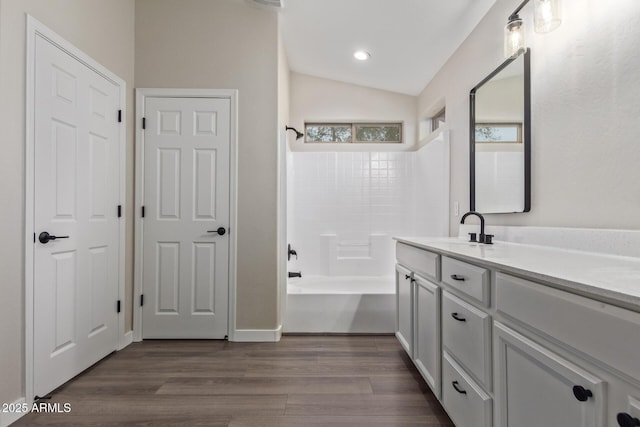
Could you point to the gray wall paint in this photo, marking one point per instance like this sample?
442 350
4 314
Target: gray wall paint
228 45
105 31
585 109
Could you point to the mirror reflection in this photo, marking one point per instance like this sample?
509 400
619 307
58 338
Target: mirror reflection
500 141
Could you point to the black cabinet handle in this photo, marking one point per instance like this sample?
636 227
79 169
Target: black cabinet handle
458 278
626 420
457 387
45 237
407 277
221 231
458 318
581 393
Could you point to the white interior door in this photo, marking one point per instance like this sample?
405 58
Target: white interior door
186 200
76 193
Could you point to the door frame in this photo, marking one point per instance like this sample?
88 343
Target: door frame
37 29
141 95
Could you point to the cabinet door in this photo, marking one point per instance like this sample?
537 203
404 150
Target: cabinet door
427 332
404 309
536 387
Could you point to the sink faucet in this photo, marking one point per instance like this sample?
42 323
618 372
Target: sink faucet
483 238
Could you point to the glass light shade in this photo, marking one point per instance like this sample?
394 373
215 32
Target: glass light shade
547 15
514 42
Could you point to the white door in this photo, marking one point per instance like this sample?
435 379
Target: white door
404 308
76 192
186 202
426 330
536 387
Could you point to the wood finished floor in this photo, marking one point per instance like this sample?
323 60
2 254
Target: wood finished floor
300 381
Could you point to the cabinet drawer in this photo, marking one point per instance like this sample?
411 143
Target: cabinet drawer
466 334
604 332
469 279
422 262
464 400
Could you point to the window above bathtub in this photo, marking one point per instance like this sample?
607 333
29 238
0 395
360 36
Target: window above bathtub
353 132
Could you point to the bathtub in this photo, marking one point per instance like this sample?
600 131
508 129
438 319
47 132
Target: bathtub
327 304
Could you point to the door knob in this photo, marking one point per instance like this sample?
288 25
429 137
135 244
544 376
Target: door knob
221 231
626 420
44 237
581 393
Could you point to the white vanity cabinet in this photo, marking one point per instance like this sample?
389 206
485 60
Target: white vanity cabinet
427 350
507 347
404 308
418 316
536 387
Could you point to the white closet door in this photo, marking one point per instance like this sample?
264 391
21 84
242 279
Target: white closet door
186 199
76 170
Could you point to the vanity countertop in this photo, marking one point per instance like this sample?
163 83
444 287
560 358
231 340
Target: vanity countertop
613 279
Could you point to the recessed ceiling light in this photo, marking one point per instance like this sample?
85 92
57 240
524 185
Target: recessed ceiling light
362 55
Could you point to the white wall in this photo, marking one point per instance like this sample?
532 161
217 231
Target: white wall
105 31
228 44
318 99
283 119
585 109
345 207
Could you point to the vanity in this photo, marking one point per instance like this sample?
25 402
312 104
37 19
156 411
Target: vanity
513 335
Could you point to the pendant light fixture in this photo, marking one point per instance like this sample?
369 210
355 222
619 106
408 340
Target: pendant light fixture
547 17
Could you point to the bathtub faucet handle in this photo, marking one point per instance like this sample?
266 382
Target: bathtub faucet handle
291 252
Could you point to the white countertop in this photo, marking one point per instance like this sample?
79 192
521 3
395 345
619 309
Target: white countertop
609 278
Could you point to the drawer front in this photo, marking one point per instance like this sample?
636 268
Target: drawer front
422 262
466 334
466 403
607 333
466 278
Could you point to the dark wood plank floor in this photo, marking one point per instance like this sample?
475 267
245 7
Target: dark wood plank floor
300 381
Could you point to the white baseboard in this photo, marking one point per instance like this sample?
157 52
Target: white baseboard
257 335
125 340
7 418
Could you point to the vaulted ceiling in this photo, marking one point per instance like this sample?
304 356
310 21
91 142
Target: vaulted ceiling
409 40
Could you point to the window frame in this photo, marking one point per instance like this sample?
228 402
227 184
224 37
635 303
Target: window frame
354 125
438 119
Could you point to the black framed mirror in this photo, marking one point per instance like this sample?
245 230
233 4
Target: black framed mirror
500 139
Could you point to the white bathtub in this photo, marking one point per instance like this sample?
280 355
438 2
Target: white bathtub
340 305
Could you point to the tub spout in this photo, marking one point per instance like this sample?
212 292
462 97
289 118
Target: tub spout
295 274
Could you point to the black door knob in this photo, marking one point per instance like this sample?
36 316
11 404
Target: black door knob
626 420
44 237
581 393
221 231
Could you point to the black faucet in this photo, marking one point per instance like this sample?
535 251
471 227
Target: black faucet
295 274
483 238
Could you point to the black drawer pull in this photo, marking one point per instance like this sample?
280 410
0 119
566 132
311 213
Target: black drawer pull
626 420
458 278
457 387
458 318
581 393
407 277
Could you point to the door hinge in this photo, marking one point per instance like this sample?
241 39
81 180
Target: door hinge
119 116
143 212
141 300
118 306
144 123
119 211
